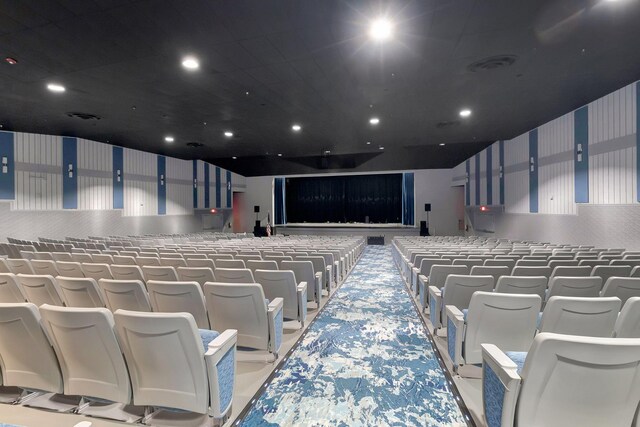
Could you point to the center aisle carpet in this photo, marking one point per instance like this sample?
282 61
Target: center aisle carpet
366 361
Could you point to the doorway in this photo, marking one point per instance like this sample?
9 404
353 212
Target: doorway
238 210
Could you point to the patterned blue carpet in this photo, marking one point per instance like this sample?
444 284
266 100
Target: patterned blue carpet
366 361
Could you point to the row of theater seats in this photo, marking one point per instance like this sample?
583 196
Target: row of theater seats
255 298
539 337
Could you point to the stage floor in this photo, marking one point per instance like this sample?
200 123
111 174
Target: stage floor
353 229
341 225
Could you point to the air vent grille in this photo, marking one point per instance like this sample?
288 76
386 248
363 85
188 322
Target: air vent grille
492 63
83 116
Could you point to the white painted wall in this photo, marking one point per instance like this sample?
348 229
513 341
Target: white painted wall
516 184
179 186
95 180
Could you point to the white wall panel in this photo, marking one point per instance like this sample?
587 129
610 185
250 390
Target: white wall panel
458 174
38 171
483 176
612 172
495 174
201 184
140 183
179 186
516 183
223 188
95 180
239 182
556 168
472 181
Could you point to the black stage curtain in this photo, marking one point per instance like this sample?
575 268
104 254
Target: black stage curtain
344 199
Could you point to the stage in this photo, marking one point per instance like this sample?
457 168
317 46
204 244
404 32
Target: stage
389 231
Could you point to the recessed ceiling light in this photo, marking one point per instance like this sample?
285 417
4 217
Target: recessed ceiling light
55 87
442 144
10 60
465 113
190 63
327 151
381 148
296 128
169 139
374 120
279 154
368 142
228 134
234 158
380 29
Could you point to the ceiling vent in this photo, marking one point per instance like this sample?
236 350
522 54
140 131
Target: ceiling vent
447 124
83 116
492 63
195 144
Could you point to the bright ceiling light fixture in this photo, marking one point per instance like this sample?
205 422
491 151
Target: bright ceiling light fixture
296 128
228 134
381 29
374 120
169 139
191 63
55 87
465 113
442 144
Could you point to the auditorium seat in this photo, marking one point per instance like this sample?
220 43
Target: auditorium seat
595 385
628 322
19 266
621 287
202 383
532 263
495 271
531 271
200 263
79 292
102 259
69 269
319 266
424 269
196 274
536 285
227 306
606 271
10 289
304 272
254 265
91 361
173 262
41 266
124 294
233 275
144 261
175 297
40 289
593 317
574 286
126 272
282 284
507 320
457 291
278 259
43 256
163 274
215 257
229 263
81 257
124 260
437 277
62 256
593 262
571 271
96 271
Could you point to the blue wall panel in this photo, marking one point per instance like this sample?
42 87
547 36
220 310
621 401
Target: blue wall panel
218 189
162 185
533 171
195 184
490 176
7 173
69 173
581 154
118 178
477 157
467 188
229 190
207 183
501 170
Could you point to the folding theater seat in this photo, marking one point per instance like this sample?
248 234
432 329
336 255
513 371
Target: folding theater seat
42 266
628 322
97 271
621 287
574 286
125 295
79 292
437 278
196 274
595 317
536 285
282 284
304 272
40 289
126 272
233 275
176 297
160 273
69 269
10 289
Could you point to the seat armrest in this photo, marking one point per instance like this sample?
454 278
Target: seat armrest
301 291
435 306
500 385
455 334
318 288
329 275
220 360
275 305
275 317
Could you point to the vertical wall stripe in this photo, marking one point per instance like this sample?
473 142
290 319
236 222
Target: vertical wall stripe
7 174
638 141
118 178
467 184
489 176
218 189
162 185
501 170
207 198
69 173
581 154
533 171
477 158
229 191
195 184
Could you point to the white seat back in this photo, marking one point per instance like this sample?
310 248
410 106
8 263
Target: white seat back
201 263
28 360
196 274
143 261
579 381
495 271
175 297
90 357
438 274
124 260
233 275
594 317
178 379
575 286
254 265
10 289
458 289
61 256
40 289
19 266
427 263
303 272
606 271
124 294
80 292
571 271
536 285
229 263
102 259
160 273
531 271
239 306
621 287
280 284
97 271
506 320
126 272
81 257
173 262
628 322
44 266
69 269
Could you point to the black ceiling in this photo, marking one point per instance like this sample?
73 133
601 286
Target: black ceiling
309 62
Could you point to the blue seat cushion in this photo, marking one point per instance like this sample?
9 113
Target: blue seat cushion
518 357
207 336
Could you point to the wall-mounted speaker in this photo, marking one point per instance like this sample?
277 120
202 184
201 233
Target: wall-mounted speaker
427 207
256 209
